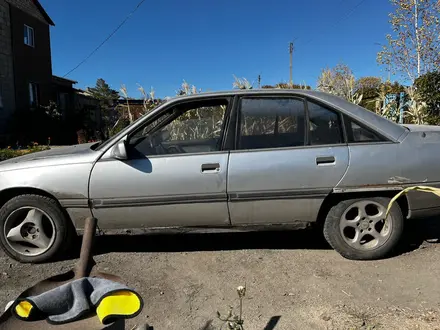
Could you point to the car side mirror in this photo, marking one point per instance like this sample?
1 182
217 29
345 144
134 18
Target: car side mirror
119 151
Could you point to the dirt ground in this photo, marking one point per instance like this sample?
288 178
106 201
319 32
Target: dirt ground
294 280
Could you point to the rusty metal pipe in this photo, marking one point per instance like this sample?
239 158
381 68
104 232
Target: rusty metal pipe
85 262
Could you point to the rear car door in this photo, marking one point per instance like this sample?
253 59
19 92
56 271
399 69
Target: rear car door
175 174
289 155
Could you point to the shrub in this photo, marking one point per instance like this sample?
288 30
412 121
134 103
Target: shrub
37 125
428 87
11 153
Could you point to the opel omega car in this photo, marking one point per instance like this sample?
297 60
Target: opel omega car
246 159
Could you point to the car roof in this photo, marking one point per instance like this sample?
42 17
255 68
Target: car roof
364 116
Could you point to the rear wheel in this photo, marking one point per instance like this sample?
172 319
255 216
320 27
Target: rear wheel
33 229
357 228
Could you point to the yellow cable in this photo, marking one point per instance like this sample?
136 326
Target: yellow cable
435 191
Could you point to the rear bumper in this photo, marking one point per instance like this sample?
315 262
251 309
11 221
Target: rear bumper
424 213
423 204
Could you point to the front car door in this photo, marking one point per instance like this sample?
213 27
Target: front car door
289 155
175 174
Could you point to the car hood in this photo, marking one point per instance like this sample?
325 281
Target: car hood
55 156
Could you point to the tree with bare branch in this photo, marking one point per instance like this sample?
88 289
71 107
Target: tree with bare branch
339 81
413 48
241 83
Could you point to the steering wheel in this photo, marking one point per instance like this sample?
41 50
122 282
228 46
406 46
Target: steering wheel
174 149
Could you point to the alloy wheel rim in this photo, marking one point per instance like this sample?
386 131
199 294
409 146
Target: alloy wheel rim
29 231
363 225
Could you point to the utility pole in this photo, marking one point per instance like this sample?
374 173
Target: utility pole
291 53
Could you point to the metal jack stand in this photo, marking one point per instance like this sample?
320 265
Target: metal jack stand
85 267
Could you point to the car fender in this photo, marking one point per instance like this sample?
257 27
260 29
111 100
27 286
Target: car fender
68 184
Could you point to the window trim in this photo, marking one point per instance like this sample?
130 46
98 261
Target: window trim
305 101
345 118
230 124
185 103
30 28
265 96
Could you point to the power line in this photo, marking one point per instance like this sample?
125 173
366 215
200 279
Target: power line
107 38
340 20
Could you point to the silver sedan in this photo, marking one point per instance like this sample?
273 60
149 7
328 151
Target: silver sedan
237 160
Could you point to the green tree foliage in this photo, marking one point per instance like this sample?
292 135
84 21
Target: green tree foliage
413 48
392 88
107 101
428 87
368 87
107 97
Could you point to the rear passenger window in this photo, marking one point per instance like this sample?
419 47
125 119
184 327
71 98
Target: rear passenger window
271 123
324 125
359 133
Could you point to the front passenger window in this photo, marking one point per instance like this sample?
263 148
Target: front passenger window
193 129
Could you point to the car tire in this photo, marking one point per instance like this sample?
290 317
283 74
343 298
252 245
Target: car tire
345 230
48 236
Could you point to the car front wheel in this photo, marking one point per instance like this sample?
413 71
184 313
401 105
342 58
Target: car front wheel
358 230
33 228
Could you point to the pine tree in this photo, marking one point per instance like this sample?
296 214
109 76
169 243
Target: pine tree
107 101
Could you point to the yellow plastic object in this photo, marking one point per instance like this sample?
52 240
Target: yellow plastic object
435 191
118 304
23 309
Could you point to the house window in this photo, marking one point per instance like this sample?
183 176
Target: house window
64 101
33 94
29 36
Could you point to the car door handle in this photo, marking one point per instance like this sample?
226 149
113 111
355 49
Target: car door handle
325 160
212 167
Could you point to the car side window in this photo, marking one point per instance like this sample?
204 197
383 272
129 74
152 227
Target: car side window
357 133
324 125
189 129
270 123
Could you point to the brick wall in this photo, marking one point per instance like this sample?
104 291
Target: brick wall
7 92
29 7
